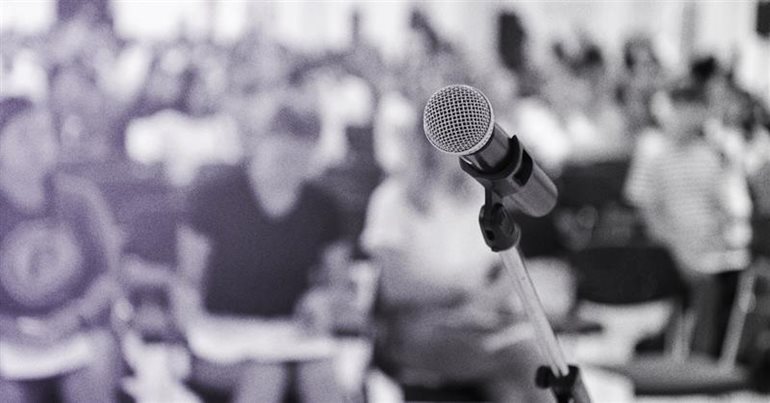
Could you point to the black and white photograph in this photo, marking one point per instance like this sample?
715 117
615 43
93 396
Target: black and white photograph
384 201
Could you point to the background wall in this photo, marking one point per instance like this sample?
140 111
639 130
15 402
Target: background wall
679 28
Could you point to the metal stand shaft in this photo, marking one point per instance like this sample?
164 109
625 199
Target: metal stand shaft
518 184
565 379
502 234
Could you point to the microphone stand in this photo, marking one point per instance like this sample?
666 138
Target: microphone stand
502 235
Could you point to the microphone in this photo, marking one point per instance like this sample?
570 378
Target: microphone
459 120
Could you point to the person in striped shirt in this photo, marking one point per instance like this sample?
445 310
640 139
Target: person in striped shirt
682 190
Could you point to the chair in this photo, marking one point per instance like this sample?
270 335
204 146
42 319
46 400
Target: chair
624 275
423 387
416 386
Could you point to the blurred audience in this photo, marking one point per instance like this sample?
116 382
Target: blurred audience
295 163
190 134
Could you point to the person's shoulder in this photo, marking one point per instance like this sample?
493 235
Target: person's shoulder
76 188
217 178
394 187
707 153
318 195
213 187
390 193
79 194
652 135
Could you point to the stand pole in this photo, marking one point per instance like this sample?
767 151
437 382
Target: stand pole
524 287
565 380
502 235
502 198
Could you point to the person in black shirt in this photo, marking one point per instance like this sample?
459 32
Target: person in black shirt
256 236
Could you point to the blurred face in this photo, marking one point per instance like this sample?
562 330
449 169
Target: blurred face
163 87
737 110
282 160
199 101
717 91
429 168
648 68
561 91
28 145
270 69
686 119
583 92
72 92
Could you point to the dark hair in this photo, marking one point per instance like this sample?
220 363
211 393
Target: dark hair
754 113
189 78
560 53
689 92
587 59
634 45
591 58
419 22
302 123
704 69
11 108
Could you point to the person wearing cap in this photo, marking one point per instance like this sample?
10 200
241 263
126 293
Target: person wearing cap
256 236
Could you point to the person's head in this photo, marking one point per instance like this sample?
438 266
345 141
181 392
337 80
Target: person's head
263 67
591 85
639 57
739 109
424 41
428 171
559 89
502 86
715 80
74 88
28 145
164 83
284 155
704 69
197 95
356 27
688 112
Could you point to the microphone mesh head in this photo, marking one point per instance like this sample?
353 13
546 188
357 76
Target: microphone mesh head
458 119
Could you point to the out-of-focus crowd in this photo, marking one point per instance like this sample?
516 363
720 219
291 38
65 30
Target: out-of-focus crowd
189 220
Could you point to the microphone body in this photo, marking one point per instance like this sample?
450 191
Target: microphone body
459 120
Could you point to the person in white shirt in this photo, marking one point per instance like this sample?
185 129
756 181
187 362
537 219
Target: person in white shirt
449 308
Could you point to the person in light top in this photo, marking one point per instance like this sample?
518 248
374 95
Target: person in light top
447 303
685 193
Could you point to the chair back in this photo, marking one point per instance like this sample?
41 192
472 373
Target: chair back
621 275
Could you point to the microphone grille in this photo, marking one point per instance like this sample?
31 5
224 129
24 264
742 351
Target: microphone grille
458 119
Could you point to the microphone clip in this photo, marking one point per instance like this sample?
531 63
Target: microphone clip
502 191
498 228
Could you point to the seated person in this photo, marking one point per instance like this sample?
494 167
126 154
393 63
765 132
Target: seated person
449 307
256 235
686 198
57 251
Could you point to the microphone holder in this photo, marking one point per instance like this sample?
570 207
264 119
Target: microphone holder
502 236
